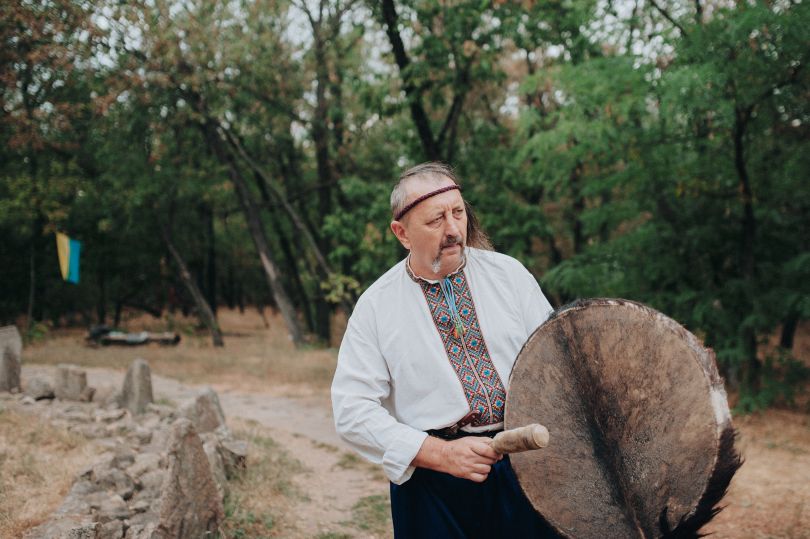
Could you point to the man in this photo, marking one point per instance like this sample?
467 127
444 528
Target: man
420 384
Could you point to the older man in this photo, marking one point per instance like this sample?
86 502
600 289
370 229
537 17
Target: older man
421 379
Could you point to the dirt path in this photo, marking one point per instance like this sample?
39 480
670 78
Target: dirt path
334 481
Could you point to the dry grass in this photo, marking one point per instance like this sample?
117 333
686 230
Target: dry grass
260 499
254 357
38 463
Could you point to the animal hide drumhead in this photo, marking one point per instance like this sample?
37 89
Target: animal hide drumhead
641 441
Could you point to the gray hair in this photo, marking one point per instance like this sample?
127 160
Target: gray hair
436 172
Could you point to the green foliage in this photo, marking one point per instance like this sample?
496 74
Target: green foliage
659 155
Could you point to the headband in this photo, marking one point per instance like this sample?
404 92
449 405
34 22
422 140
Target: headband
426 196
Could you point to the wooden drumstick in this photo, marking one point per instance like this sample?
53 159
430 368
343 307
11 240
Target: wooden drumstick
534 436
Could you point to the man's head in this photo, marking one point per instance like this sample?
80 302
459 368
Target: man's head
435 229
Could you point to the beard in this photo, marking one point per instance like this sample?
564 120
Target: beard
449 241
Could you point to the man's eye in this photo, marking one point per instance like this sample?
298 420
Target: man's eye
436 221
458 211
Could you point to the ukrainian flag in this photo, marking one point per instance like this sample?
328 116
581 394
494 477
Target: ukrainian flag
69 251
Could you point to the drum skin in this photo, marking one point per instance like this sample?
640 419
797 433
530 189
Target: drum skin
641 440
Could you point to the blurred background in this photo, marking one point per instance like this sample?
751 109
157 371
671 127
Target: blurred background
211 155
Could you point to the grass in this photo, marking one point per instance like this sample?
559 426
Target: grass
349 460
373 514
38 463
254 357
260 497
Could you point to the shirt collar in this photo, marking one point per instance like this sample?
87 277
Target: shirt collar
418 278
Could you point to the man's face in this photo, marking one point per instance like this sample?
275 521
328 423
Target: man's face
435 230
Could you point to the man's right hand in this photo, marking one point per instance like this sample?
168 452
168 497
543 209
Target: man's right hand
470 457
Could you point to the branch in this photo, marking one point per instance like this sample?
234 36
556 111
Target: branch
420 118
668 17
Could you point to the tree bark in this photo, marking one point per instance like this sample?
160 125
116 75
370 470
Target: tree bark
418 114
211 258
288 257
789 326
203 309
257 233
296 217
751 368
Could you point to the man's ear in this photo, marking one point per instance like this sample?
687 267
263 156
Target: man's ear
402 235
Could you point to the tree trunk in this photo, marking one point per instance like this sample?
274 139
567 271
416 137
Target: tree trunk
288 257
32 285
257 233
203 309
789 325
751 368
211 258
296 217
101 305
418 114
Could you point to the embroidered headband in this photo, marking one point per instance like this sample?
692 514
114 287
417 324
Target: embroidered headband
424 197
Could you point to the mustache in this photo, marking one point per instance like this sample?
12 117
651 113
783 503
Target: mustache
449 241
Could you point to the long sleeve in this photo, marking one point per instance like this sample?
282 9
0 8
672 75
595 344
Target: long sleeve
361 384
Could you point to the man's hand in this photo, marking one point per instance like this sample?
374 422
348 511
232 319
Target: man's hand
470 457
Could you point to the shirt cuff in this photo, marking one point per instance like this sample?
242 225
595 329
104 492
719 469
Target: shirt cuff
396 461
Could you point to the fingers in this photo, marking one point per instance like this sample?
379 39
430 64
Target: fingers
484 449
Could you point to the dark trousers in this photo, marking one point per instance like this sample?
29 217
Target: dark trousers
434 504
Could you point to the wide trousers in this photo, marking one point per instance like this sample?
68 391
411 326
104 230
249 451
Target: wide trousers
437 505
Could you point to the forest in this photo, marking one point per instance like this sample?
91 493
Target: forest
216 153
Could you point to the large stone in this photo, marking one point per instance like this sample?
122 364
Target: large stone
10 353
70 382
114 529
234 456
211 448
73 527
190 506
205 411
136 394
38 388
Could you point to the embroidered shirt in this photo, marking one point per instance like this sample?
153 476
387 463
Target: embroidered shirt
398 372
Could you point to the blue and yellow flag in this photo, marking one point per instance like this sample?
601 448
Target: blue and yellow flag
69 251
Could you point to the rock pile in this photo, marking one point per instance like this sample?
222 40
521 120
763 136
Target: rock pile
10 350
163 473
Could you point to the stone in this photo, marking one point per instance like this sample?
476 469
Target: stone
141 436
211 448
87 394
141 531
234 456
140 506
190 505
144 462
91 431
38 388
136 394
114 529
205 411
152 481
108 416
70 382
115 480
10 357
27 400
73 527
113 508
123 457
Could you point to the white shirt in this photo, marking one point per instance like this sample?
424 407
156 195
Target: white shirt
394 379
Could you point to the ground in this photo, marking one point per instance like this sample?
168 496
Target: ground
306 482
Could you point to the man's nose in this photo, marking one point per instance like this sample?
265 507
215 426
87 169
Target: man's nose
451 228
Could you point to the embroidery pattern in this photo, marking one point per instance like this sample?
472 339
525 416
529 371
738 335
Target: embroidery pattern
482 386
